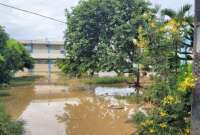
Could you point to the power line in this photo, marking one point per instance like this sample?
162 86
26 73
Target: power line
34 13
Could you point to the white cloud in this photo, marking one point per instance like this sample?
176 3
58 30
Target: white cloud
173 4
25 26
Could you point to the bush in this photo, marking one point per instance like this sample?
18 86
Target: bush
168 119
173 113
138 117
158 90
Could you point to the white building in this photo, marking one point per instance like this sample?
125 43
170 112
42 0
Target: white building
45 53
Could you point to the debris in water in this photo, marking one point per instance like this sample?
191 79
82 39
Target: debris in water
73 101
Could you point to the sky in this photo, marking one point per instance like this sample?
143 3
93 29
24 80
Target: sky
22 26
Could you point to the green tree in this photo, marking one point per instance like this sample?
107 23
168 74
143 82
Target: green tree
13 57
3 37
100 33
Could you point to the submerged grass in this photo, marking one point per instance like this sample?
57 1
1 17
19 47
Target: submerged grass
108 80
4 93
7 125
132 98
17 81
25 80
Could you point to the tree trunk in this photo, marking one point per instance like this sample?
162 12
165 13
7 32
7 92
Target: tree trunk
137 85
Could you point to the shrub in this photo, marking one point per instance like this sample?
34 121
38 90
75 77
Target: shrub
138 117
173 113
158 90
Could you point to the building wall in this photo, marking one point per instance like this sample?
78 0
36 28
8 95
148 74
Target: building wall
45 68
45 53
40 49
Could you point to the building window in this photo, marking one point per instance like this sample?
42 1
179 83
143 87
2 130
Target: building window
29 48
62 51
41 61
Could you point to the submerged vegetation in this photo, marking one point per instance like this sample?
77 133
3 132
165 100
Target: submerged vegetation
25 80
9 127
108 80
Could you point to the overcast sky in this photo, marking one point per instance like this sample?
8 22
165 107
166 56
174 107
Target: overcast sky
24 26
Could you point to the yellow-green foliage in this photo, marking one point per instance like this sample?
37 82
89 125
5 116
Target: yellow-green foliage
172 116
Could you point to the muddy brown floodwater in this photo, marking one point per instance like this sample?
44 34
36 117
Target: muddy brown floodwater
53 107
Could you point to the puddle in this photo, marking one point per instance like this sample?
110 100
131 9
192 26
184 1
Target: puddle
59 109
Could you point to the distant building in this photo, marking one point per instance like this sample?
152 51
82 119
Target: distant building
45 53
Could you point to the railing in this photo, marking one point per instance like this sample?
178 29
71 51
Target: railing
47 55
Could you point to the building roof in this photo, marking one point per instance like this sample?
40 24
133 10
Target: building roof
41 42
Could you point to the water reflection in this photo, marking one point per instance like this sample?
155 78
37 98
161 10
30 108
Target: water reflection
41 118
111 91
54 108
19 99
50 88
94 117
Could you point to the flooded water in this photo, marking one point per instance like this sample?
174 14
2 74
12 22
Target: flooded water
113 91
59 107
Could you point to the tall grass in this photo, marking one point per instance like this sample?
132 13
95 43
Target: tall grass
9 127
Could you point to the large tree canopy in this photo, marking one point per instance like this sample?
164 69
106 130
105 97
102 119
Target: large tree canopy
100 33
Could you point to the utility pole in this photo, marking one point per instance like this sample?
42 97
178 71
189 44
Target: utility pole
196 71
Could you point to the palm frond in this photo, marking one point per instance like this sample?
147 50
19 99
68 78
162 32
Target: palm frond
168 12
157 8
184 9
